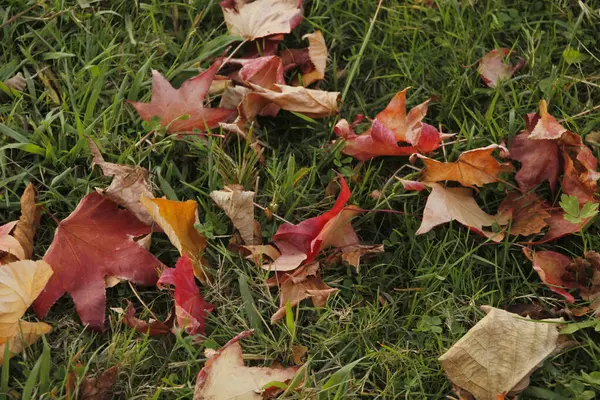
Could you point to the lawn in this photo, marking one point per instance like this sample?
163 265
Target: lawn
404 308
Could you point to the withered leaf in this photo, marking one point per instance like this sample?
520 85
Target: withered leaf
239 207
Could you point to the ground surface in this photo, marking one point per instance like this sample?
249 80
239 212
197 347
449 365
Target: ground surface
404 308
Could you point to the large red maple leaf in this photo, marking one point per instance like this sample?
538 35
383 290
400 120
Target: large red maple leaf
170 104
97 240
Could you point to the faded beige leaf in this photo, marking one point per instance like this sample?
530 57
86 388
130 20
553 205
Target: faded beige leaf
447 204
128 185
260 18
317 52
17 82
26 334
499 353
225 377
239 207
351 254
310 102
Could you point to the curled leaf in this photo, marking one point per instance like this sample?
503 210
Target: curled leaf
177 220
304 283
543 126
239 207
10 247
472 168
152 328
190 307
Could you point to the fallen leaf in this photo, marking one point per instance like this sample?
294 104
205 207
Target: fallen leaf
304 283
218 85
593 138
100 387
170 104
580 169
493 69
95 241
190 307
225 376
499 354
303 242
10 247
262 71
17 82
314 69
129 183
559 227
351 254
177 220
543 126
529 214
559 273
405 126
239 207
256 19
28 222
472 168
448 204
259 252
540 161
298 353
20 284
152 328
376 142
310 102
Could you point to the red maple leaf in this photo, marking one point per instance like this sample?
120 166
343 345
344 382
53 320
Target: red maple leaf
97 240
190 306
170 104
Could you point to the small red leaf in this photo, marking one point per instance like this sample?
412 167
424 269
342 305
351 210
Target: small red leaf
190 306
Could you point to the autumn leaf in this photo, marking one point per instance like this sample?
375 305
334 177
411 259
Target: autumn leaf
17 82
152 328
260 253
256 19
303 283
129 183
351 255
16 238
405 126
581 174
499 354
551 267
100 387
391 127
540 161
20 284
177 220
543 126
170 104
310 102
493 69
529 214
262 71
302 243
472 168
190 307
225 376
559 227
313 60
10 247
446 204
239 207
560 273
97 240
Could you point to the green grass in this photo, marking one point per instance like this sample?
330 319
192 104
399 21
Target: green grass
86 58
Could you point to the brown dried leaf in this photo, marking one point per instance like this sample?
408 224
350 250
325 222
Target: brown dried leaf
239 207
100 387
529 213
17 82
128 184
499 353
